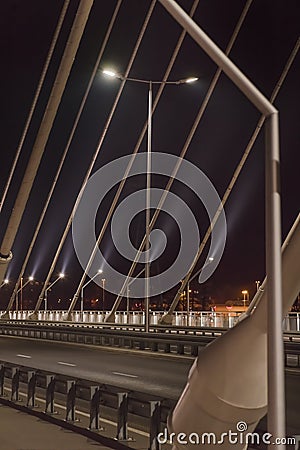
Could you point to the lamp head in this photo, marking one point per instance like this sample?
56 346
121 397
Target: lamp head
190 80
61 275
110 73
6 281
30 278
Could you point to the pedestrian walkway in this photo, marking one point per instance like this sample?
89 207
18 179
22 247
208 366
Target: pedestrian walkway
21 431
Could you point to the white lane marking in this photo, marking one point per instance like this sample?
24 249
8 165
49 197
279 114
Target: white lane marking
24 356
125 374
66 364
84 414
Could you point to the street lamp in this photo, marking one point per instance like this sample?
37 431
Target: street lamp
103 292
257 285
21 292
246 296
60 276
209 261
112 74
4 282
88 282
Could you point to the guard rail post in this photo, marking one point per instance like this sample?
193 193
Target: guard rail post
122 398
155 416
31 385
50 388
2 374
70 404
15 380
94 408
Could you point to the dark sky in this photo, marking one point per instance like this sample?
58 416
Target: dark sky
267 37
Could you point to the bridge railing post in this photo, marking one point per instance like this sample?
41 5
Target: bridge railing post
94 408
122 399
2 375
15 381
50 388
31 388
155 417
70 404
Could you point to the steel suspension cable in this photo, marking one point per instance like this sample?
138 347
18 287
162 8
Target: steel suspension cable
70 139
35 99
42 137
88 173
136 149
184 150
235 176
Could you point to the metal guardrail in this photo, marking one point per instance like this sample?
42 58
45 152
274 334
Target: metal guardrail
180 318
159 339
125 405
179 340
206 319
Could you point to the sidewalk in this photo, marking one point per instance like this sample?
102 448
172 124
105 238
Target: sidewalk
21 431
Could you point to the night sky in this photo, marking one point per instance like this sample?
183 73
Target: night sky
267 37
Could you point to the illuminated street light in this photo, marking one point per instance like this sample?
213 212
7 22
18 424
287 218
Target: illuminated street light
6 281
112 74
103 293
60 276
88 282
21 292
246 296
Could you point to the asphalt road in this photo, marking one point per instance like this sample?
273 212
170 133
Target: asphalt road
159 375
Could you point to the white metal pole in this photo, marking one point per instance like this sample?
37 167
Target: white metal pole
188 303
276 389
148 200
276 402
81 305
127 305
103 293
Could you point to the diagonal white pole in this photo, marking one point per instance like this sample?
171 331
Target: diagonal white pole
276 395
148 203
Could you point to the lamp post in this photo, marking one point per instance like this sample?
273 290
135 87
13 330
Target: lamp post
246 296
60 276
103 293
209 261
21 292
4 282
112 74
88 282
257 285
